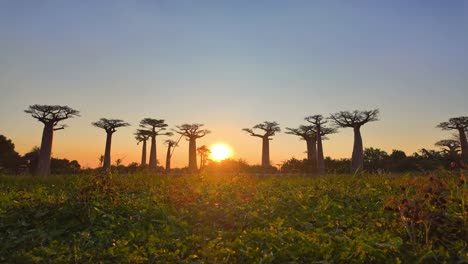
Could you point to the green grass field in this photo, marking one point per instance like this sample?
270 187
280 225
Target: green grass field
233 219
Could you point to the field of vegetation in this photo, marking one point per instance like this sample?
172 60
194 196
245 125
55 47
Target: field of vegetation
229 218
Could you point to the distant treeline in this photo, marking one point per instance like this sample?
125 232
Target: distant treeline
375 161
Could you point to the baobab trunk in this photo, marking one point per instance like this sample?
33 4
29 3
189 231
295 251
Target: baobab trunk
320 161
107 158
143 154
266 153
152 159
43 166
192 155
168 159
311 155
357 158
463 145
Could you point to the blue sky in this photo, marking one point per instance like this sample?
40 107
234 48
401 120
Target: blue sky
232 64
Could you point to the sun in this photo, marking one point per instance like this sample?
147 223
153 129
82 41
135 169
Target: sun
220 152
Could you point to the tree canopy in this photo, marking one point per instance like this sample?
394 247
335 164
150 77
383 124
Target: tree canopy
51 113
354 118
191 130
110 125
270 128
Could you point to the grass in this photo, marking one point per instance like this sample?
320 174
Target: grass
233 219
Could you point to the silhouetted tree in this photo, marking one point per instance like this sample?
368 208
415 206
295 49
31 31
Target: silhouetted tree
461 125
171 144
9 158
318 122
309 135
156 128
270 128
355 119
142 136
374 159
64 166
294 165
50 116
204 152
192 132
32 158
110 126
397 155
449 146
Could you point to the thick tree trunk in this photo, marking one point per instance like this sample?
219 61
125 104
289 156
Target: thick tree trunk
463 145
107 152
357 158
311 155
320 160
152 160
143 154
168 159
192 155
43 166
265 153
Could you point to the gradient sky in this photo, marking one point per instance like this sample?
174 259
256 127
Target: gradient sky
230 65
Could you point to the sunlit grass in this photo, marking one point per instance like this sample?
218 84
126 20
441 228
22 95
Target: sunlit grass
238 218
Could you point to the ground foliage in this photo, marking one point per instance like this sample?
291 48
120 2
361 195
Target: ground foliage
233 219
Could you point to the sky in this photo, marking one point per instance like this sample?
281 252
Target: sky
231 65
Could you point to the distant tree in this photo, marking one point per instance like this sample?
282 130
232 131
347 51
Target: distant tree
270 129
340 166
64 166
156 128
294 165
101 160
142 136
374 159
318 123
9 158
461 125
450 146
204 153
110 126
171 144
398 162
227 166
57 166
192 132
50 116
32 158
309 135
397 155
355 119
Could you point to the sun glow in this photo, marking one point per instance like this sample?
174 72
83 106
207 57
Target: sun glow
220 152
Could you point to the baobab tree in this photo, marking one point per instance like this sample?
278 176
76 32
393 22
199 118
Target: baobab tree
449 146
156 128
171 144
142 136
461 125
50 116
308 134
356 120
110 126
318 123
270 128
204 152
192 132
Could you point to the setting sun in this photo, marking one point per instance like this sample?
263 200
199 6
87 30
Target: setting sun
220 152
